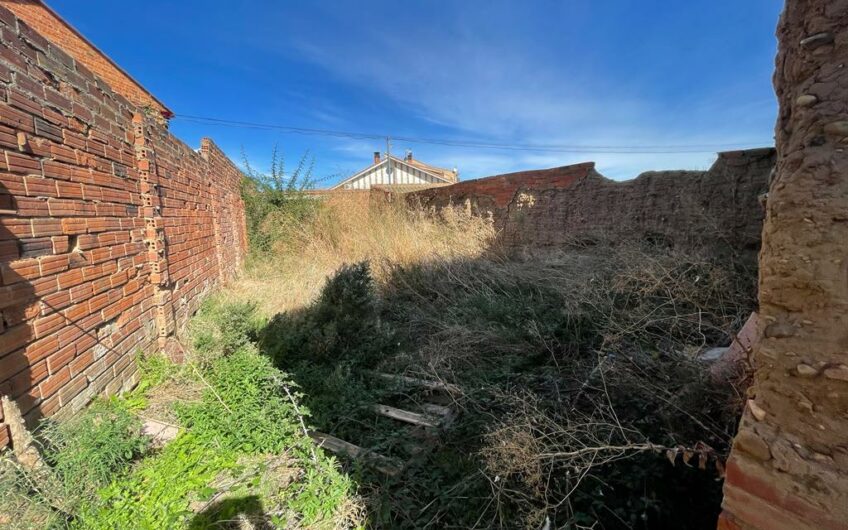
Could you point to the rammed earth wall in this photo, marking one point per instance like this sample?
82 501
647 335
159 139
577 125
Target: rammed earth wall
789 465
719 208
111 229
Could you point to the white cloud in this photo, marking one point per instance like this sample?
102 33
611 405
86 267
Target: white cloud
513 91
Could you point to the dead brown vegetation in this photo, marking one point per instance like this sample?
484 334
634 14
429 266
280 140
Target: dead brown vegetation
578 366
347 228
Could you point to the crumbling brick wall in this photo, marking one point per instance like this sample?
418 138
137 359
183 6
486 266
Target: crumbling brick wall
39 22
718 208
789 465
111 229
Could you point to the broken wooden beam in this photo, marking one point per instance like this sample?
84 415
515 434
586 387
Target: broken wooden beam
437 410
406 416
423 383
335 445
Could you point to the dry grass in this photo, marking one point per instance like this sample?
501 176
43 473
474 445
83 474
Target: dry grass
578 365
581 364
349 229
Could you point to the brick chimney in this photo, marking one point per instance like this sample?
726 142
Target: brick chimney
376 157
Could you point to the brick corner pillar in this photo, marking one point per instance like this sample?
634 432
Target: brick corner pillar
205 153
789 465
154 234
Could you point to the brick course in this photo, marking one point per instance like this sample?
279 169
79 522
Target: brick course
70 50
111 229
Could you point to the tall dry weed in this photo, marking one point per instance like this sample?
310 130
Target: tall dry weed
348 228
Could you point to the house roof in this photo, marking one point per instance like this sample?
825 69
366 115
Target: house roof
445 175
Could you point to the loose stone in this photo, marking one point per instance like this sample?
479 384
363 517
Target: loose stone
806 100
756 410
805 370
837 372
819 39
837 128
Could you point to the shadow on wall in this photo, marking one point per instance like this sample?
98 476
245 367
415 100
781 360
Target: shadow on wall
39 338
19 374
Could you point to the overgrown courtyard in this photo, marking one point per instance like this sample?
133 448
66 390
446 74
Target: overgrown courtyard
576 396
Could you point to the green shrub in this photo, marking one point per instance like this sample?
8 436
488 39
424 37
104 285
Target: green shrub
326 345
157 492
244 439
245 408
88 449
82 454
275 203
220 328
341 325
249 409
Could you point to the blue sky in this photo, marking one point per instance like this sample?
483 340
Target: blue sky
567 72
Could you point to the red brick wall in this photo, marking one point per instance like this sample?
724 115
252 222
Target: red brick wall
554 207
39 23
111 229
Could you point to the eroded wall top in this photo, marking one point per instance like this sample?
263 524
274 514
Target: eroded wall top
40 23
719 208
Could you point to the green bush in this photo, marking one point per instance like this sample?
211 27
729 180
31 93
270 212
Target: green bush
341 325
82 454
157 492
87 450
248 412
275 203
220 328
326 345
245 408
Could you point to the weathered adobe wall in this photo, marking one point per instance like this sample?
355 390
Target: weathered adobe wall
789 465
111 229
719 208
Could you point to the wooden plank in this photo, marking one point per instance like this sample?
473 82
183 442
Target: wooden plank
406 416
424 383
446 414
336 445
437 410
354 452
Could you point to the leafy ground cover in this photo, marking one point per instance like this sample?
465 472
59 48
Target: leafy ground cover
241 457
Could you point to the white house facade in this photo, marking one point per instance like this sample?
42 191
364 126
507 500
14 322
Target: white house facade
392 171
